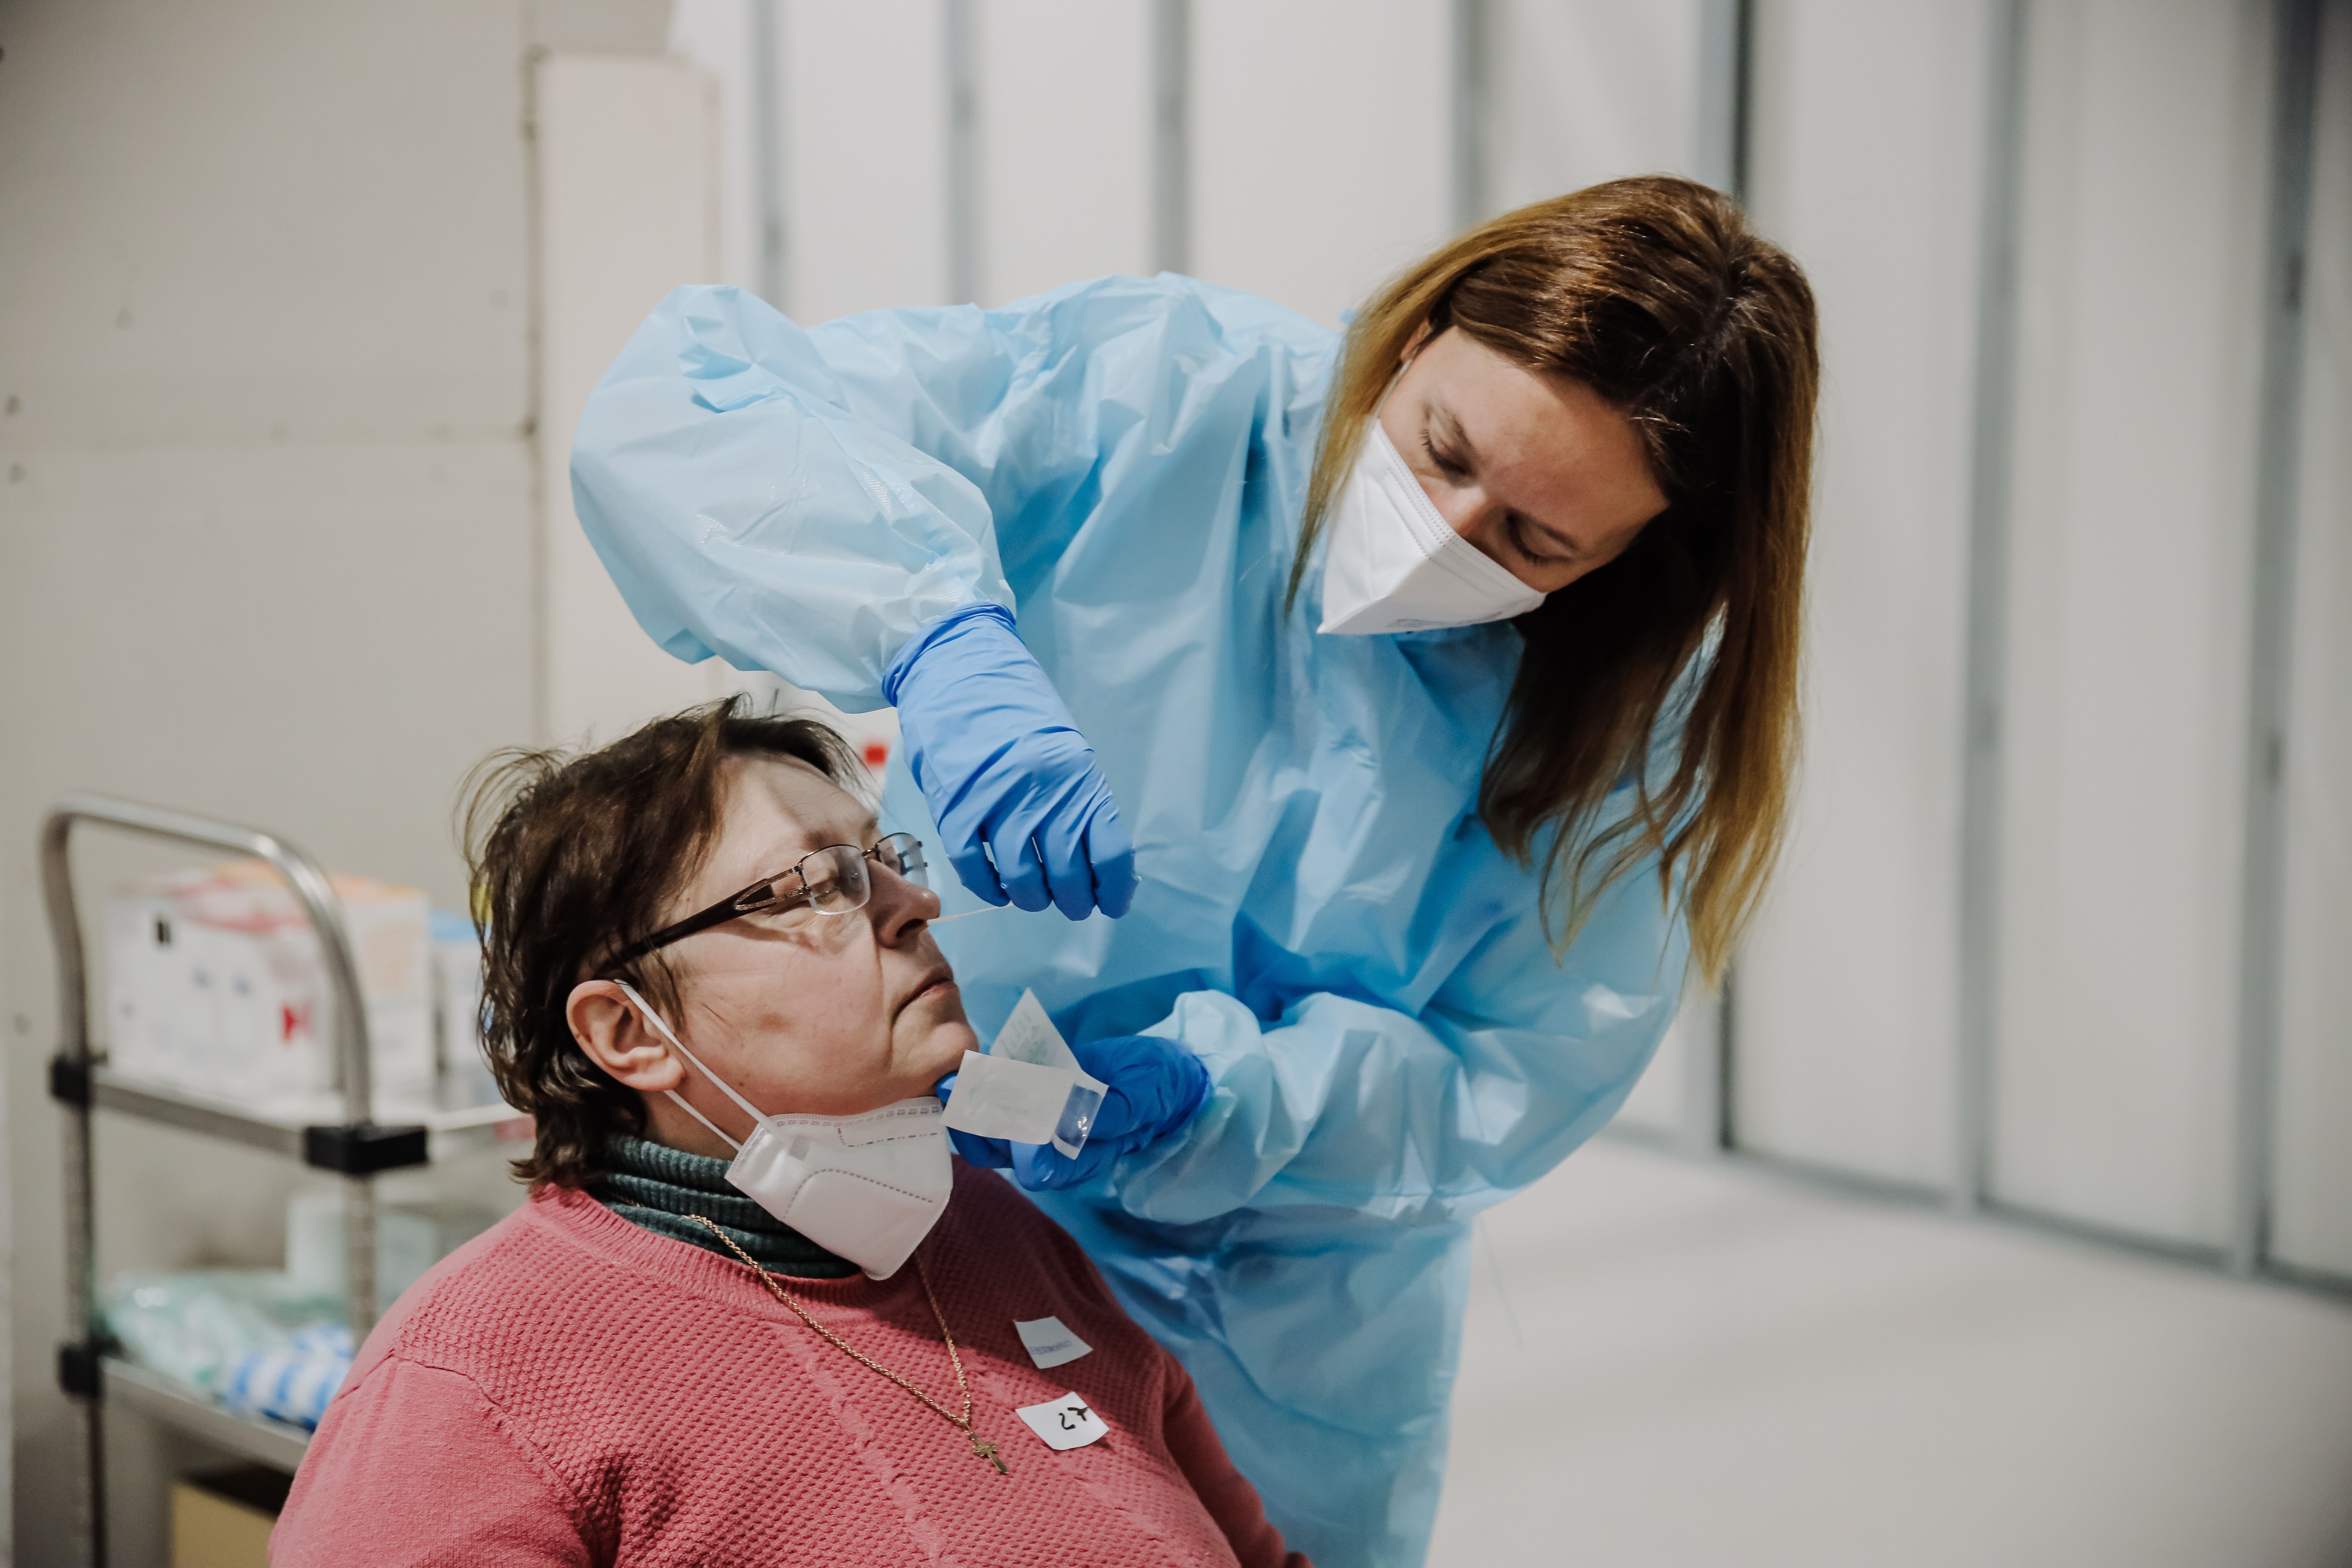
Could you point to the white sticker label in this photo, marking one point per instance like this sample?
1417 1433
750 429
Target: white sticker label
1063 1423
1049 1343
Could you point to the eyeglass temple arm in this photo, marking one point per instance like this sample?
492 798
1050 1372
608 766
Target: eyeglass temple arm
717 915
729 908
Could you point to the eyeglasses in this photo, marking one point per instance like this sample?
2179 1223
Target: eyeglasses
831 880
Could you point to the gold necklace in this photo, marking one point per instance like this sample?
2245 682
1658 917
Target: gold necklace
980 1445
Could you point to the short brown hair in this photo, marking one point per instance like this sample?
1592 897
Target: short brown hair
574 855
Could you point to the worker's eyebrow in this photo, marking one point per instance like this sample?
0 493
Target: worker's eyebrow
1560 542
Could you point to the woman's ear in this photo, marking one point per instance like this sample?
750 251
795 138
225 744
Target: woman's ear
1414 345
617 1038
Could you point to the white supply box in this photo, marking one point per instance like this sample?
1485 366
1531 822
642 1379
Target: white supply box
215 985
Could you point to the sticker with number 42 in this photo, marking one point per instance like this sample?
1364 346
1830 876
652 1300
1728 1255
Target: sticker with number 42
1063 1423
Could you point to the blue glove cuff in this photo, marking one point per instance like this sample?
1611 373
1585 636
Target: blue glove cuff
904 660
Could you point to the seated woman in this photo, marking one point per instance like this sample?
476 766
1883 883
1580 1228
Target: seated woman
687 951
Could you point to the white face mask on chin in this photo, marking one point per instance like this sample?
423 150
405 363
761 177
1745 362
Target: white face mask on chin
867 1187
1393 564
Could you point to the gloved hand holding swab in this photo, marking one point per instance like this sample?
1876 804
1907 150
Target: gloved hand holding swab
1028 1088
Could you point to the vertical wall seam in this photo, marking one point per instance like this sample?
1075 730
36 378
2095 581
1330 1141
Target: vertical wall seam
1992 419
1172 163
1726 31
1726 89
1471 46
963 152
1743 67
768 148
1739 94
2263 917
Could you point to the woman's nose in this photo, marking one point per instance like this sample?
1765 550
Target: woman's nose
898 906
1476 519
1466 508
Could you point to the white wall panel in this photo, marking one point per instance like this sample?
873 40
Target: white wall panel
1320 144
719 38
1587 90
2124 799
864 128
1065 107
1867 124
629 207
265 506
2314 1221
136 286
1660 1101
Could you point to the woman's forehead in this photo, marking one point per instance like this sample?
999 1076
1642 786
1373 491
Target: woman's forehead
773 807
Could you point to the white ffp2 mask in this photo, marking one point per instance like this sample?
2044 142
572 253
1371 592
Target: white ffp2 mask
867 1187
1393 564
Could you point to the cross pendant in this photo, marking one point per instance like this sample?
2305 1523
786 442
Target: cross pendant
987 1450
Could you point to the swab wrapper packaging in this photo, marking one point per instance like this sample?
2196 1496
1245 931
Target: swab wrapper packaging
1028 1088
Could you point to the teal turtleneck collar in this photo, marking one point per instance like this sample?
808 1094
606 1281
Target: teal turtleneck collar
655 1186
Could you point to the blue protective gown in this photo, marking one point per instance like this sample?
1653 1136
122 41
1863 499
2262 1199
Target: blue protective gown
1322 918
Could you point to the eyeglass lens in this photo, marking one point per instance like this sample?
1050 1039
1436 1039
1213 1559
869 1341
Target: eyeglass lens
903 853
836 879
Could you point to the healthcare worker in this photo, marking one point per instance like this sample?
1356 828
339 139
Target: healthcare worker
1420 701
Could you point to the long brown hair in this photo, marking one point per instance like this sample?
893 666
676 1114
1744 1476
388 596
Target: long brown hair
1656 294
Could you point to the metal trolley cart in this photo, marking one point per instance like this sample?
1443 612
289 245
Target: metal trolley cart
338 1135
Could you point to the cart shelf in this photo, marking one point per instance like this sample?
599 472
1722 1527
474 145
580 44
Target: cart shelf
311 1127
335 1132
165 1399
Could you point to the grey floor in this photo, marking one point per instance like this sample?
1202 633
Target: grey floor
1685 1363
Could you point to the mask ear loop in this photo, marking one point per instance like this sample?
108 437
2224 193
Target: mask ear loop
683 1104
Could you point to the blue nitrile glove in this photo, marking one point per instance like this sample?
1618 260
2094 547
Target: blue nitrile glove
1006 770
1151 1088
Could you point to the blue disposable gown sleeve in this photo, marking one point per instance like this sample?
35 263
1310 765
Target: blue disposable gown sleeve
1343 1105
744 509
803 500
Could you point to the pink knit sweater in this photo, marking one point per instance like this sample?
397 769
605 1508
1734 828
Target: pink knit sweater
569 1388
